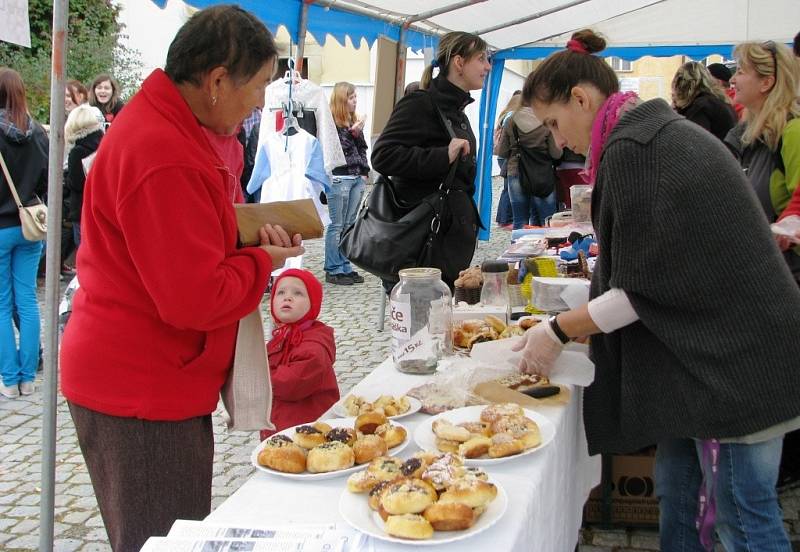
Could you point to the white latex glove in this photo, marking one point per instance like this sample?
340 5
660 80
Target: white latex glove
541 349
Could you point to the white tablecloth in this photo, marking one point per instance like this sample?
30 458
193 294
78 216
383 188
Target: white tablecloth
546 489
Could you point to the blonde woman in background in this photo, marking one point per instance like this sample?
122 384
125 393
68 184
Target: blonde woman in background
700 99
767 141
347 183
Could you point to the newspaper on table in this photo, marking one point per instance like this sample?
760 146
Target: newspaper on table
198 536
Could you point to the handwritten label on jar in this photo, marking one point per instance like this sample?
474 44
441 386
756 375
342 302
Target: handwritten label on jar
419 347
400 318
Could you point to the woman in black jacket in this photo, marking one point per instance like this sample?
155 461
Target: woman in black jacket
23 144
697 97
416 150
82 133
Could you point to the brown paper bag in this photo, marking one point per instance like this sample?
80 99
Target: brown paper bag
296 217
247 393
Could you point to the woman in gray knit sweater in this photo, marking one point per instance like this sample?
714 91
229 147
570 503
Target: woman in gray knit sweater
695 324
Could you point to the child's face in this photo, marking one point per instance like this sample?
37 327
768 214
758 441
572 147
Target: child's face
290 301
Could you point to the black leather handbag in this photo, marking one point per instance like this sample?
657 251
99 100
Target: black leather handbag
537 175
390 234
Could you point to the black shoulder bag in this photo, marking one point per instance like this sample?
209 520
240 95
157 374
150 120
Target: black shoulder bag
389 234
536 173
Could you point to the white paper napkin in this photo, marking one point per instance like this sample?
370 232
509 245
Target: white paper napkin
572 367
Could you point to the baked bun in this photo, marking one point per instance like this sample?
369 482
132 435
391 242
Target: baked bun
385 468
368 448
376 494
497 325
472 492
408 496
409 526
392 434
321 426
443 471
367 423
475 447
522 428
308 436
494 412
443 445
328 457
361 482
452 516
282 454
474 472
474 325
413 467
504 444
449 432
344 435
477 428
528 323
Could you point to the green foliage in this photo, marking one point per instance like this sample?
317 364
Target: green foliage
93 46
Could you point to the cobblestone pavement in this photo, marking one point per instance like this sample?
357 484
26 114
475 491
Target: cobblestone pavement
351 310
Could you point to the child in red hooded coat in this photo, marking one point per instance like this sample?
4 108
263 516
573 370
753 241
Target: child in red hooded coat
301 352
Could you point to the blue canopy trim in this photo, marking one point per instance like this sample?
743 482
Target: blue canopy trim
628 53
488 113
322 22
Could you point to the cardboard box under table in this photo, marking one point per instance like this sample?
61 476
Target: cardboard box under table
629 497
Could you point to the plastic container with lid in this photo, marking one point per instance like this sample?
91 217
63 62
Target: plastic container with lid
581 198
420 318
495 283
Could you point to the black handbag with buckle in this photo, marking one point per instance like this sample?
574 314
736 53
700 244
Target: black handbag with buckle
390 234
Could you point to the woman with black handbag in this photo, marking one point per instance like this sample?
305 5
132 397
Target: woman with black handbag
417 151
531 153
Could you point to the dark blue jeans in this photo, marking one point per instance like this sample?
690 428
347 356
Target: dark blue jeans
527 208
749 517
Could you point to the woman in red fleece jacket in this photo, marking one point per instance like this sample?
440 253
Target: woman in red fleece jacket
163 285
301 352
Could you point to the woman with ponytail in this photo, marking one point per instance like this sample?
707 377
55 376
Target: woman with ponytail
668 312
416 150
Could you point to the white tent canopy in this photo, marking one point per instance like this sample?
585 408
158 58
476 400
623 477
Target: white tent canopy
624 22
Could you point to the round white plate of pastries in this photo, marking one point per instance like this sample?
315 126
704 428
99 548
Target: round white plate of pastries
426 439
356 512
306 475
355 401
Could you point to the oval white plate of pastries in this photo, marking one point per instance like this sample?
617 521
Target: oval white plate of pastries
357 513
308 476
340 408
426 439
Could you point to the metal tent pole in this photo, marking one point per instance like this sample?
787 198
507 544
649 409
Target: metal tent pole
52 288
301 36
531 17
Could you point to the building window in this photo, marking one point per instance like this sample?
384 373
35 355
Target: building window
620 65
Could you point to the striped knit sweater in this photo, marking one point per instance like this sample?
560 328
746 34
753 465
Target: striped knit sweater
716 352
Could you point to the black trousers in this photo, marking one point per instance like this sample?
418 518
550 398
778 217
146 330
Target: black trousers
146 474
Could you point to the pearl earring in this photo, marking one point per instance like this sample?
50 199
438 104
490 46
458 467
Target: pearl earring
213 100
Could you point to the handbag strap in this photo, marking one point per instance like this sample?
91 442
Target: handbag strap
451 175
10 181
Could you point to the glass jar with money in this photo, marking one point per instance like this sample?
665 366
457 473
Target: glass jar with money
420 319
